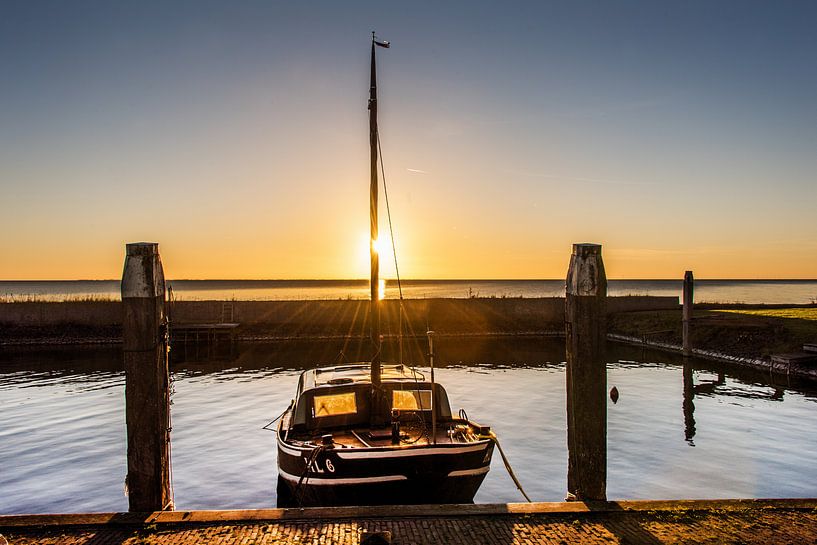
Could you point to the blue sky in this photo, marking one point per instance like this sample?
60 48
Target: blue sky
678 135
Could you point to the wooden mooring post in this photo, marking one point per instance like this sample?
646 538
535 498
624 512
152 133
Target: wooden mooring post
586 375
688 300
147 380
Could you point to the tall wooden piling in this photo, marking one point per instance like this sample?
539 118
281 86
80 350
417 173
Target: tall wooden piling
688 300
586 376
147 396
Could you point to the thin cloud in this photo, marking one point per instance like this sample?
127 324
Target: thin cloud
581 179
417 171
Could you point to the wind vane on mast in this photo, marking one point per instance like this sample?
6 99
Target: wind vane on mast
381 43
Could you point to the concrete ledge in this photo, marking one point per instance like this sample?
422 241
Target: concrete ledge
402 511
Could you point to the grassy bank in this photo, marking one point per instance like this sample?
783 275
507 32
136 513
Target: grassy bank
749 331
753 332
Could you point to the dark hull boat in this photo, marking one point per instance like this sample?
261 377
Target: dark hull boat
374 433
330 453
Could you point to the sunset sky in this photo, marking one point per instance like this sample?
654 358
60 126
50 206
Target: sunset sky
679 135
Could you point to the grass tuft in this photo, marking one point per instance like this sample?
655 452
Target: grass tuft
39 298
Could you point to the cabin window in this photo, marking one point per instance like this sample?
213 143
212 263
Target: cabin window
333 405
411 400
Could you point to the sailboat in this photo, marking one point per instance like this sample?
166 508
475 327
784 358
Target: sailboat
375 432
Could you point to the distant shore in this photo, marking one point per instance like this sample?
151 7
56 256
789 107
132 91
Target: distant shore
311 318
727 291
749 333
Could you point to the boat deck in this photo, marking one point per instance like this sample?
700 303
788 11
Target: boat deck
365 437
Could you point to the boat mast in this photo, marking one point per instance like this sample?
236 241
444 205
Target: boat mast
374 309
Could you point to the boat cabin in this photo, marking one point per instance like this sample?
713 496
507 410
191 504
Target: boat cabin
341 397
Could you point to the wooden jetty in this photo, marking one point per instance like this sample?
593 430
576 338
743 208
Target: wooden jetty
204 333
794 358
650 522
807 358
221 330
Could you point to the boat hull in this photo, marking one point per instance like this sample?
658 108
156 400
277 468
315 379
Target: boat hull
443 473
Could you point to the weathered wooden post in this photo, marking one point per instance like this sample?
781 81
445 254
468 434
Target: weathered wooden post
687 312
586 376
147 396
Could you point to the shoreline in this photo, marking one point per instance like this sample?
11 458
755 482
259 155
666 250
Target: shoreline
746 335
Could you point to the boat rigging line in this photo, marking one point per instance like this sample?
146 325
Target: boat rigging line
388 214
393 246
433 397
401 309
274 420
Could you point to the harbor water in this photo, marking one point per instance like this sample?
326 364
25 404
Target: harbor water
675 432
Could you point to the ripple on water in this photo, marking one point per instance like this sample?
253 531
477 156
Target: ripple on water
62 441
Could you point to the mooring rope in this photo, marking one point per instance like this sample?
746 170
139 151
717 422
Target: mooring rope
304 480
494 438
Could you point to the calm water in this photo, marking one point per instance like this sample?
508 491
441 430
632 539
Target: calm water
62 441
730 291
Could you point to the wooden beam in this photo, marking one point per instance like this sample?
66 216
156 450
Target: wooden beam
586 374
688 301
147 381
401 511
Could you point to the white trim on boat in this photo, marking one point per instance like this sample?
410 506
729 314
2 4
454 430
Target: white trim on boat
355 454
317 481
469 472
291 451
359 438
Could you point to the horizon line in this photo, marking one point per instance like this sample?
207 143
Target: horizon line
366 280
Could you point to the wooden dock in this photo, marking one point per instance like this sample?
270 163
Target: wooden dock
626 522
222 329
795 358
806 358
204 333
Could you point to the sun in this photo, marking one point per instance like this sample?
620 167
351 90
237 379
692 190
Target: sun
383 248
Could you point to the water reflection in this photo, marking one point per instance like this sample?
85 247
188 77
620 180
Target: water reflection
690 390
80 368
488 352
689 404
717 387
62 443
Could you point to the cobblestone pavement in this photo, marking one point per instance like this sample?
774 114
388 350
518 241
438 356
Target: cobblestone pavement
650 527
